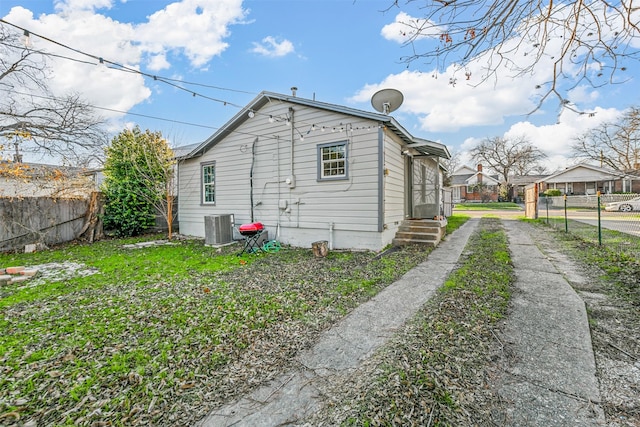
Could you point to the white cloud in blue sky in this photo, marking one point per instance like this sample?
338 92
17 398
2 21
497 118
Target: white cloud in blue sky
272 47
339 52
405 28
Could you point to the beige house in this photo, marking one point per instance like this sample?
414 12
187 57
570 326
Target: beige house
585 179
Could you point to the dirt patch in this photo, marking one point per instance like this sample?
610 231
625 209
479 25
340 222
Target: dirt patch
59 271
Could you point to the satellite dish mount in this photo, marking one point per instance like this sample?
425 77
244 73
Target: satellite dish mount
387 100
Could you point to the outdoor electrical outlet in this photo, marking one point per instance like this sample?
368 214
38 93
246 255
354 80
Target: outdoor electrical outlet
291 181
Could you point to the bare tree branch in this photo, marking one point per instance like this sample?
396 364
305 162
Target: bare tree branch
508 157
615 145
64 127
587 41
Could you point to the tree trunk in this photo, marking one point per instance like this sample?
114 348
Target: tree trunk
320 248
92 229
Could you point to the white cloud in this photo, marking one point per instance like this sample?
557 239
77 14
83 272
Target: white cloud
446 105
406 28
64 6
272 47
554 140
197 27
583 95
158 62
469 99
96 35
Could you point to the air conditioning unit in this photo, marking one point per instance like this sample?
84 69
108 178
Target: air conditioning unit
218 229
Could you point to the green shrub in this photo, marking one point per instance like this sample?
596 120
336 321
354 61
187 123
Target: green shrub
126 214
137 174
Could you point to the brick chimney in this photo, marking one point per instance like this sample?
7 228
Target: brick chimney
479 173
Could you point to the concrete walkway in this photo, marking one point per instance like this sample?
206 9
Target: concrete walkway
550 383
552 378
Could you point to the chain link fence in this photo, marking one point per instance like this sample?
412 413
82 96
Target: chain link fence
611 220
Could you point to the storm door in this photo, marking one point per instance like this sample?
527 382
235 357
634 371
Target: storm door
423 185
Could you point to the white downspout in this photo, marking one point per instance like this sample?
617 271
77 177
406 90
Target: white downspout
331 236
291 179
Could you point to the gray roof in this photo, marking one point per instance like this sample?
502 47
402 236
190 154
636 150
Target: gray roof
184 150
422 146
526 179
460 179
605 174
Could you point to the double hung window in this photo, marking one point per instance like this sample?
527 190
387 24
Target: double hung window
208 183
332 161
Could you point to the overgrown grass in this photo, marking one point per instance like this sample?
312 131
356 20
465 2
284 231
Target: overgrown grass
456 221
615 240
618 256
431 374
161 334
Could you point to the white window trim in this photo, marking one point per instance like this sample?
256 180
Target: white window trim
202 183
320 164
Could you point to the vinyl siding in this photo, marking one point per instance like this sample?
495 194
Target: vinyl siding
350 206
394 184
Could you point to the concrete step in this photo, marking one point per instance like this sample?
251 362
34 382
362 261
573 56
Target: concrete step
416 236
404 242
417 228
419 232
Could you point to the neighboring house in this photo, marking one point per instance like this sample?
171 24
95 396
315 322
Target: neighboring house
40 180
473 185
312 171
585 179
519 183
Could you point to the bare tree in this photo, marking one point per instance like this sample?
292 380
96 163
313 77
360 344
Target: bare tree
32 118
451 165
508 157
584 40
156 167
616 145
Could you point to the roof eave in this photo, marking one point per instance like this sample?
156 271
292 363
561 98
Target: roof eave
423 146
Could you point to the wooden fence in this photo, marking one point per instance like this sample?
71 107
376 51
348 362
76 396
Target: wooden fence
531 201
45 220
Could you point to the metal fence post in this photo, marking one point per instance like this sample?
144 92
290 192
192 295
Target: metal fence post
599 222
566 221
546 202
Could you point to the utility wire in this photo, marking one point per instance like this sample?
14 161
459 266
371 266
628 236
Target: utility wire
269 136
114 110
121 67
166 80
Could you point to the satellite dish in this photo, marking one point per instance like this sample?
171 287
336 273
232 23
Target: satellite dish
387 100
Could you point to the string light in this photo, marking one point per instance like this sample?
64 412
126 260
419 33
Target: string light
26 38
101 61
116 66
120 67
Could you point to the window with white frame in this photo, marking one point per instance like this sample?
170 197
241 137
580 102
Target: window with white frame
208 183
332 161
